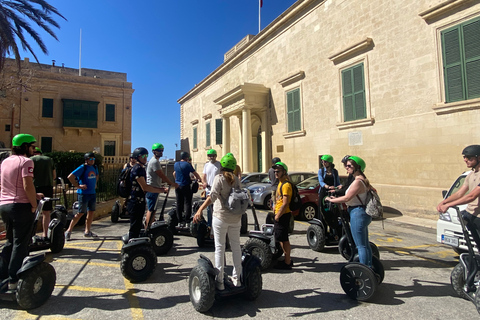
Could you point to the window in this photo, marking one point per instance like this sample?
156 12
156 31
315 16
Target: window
195 145
461 61
353 93
7 127
294 121
110 112
79 113
218 131
207 134
47 108
46 144
109 148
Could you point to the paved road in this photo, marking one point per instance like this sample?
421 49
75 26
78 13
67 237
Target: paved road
90 285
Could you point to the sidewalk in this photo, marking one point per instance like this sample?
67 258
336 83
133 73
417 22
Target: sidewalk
421 222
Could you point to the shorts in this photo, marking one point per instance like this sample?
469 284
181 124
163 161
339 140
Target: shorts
87 202
281 227
151 200
47 192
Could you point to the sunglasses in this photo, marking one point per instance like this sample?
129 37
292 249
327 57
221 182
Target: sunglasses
469 157
144 156
159 150
212 155
276 171
348 166
91 159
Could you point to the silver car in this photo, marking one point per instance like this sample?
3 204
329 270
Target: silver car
252 178
262 192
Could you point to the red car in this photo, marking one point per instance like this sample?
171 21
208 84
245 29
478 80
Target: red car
308 191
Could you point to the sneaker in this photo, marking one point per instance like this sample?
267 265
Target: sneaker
219 285
283 266
67 235
89 235
235 281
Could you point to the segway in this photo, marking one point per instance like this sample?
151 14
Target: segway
465 277
119 211
139 255
55 240
201 282
189 228
36 278
358 280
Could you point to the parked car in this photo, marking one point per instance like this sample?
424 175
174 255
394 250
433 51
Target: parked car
262 192
252 178
308 191
449 230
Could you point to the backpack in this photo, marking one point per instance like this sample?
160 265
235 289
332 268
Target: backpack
373 206
238 200
296 201
124 184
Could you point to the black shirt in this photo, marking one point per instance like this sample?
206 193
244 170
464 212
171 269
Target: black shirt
137 192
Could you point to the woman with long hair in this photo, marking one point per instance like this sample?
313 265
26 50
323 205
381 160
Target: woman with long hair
355 198
224 221
328 179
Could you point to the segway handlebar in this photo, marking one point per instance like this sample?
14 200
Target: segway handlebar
40 204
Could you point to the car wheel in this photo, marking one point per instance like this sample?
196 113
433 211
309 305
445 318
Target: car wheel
266 202
308 211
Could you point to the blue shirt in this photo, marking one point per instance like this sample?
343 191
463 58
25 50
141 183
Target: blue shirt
323 172
86 175
182 173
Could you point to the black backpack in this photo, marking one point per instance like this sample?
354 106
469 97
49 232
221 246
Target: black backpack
124 184
296 201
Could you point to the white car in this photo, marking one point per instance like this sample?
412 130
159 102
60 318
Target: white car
449 230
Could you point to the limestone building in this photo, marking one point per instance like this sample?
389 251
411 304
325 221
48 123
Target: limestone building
65 111
394 82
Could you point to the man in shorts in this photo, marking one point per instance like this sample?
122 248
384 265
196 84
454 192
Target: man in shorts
43 177
155 176
273 180
282 213
84 178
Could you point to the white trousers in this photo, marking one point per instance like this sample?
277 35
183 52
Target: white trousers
220 230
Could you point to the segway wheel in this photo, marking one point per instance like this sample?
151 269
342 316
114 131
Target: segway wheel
457 279
201 234
162 240
58 239
138 263
358 281
194 229
201 287
253 283
316 237
261 250
278 252
344 248
375 251
61 216
35 286
172 221
244 227
115 212
377 267
477 300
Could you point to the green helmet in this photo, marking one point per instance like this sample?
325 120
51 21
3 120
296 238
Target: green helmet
157 147
22 138
359 161
37 149
229 162
327 157
212 152
282 165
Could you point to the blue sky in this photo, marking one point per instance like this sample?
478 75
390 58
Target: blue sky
165 47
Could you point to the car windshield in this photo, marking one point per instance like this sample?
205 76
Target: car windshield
265 180
310 183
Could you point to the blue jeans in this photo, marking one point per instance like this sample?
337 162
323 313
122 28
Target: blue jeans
359 221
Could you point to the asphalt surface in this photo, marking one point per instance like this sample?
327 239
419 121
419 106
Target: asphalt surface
90 285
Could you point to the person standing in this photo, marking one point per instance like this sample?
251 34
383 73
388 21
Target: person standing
155 176
210 170
224 221
283 213
184 191
273 180
18 202
136 200
84 178
328 179
44 175
355 198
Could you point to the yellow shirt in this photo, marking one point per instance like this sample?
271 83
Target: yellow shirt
286 190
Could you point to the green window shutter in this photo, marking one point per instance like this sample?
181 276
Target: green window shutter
195 138
452 65
218 131
471 36
79 113
46 144
109 148
110 112
47 108
207 134
353 93
294 121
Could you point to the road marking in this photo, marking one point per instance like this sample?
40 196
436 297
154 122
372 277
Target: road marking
98 264
92 248
23 315
92 289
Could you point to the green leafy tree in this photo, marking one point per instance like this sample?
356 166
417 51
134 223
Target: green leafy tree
15 18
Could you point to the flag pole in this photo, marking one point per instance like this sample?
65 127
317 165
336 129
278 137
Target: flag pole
80 55
259 9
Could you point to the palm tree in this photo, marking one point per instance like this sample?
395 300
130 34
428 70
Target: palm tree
14 21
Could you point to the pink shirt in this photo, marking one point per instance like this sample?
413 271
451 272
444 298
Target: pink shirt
12 171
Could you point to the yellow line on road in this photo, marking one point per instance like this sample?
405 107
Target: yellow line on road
92 248
92 289
23 315
97 264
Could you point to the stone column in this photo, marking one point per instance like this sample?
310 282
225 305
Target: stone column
266 153
247 140
226 134
239 156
